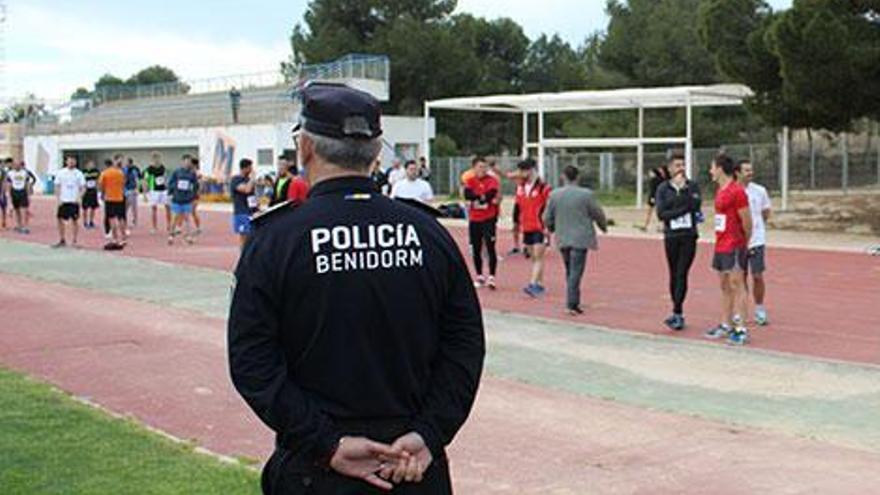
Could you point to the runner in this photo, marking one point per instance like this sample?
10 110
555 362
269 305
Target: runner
244 200
20 182
760 206
380 180
678 203
297 187
412 186
531 197
112 186
282 183
70 184
395 173
197 220
156 189
108 230
4 193
90 195
659 175
733 228
182 187
133 188
482 190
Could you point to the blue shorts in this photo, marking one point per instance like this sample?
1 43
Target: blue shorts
181 208
241 224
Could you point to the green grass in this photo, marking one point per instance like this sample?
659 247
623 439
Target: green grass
616 197
51 444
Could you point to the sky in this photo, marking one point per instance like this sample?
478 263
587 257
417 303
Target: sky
53 46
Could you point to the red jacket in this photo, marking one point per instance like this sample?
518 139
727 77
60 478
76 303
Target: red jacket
532 199
482 194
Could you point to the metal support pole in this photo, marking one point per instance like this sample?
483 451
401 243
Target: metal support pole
689 145
783 168
640 160
844 172
541 144
525 134
426 140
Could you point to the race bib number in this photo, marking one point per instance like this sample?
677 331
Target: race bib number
480 206
160 180
91 184
18 182
720 222
252 202
683 222
183 185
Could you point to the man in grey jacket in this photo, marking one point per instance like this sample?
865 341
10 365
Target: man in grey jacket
571 212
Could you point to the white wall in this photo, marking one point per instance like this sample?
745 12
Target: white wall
219 148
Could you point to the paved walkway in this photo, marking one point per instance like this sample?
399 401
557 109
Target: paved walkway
565 407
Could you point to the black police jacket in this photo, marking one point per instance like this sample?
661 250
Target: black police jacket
354 307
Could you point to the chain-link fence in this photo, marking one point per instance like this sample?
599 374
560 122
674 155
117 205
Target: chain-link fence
820 167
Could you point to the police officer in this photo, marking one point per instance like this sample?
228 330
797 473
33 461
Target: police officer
354 331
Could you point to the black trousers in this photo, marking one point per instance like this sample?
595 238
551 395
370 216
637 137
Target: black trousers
290 473
680 252
483 233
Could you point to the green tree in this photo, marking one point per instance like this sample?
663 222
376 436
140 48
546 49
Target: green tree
814 65
154 74
655 43
81 94
336 27
829 59
552 65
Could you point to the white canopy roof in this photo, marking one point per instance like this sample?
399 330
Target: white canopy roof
614 99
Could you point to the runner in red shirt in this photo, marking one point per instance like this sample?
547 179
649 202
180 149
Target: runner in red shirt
483 192
733 228
531 199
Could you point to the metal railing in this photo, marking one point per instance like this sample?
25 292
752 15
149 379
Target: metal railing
822 168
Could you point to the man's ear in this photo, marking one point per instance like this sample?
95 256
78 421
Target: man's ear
307 149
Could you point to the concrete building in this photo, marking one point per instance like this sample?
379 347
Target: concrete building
202 124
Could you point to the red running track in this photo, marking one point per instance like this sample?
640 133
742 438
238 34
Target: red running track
821 303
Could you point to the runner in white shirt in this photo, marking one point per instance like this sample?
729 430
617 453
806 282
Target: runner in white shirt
70 184
760 206
396 173
411 186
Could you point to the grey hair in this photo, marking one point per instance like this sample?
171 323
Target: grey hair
347 153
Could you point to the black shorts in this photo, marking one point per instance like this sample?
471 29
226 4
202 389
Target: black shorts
90 198
485 231
734 261
756 264
68 211
115 209
533 238
20 199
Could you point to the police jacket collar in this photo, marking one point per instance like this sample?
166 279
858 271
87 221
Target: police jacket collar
343 185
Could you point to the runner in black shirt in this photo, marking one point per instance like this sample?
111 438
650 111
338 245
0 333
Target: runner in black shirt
90 196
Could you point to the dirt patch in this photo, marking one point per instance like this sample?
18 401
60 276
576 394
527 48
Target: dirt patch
854 213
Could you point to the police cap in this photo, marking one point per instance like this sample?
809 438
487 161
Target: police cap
337 111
